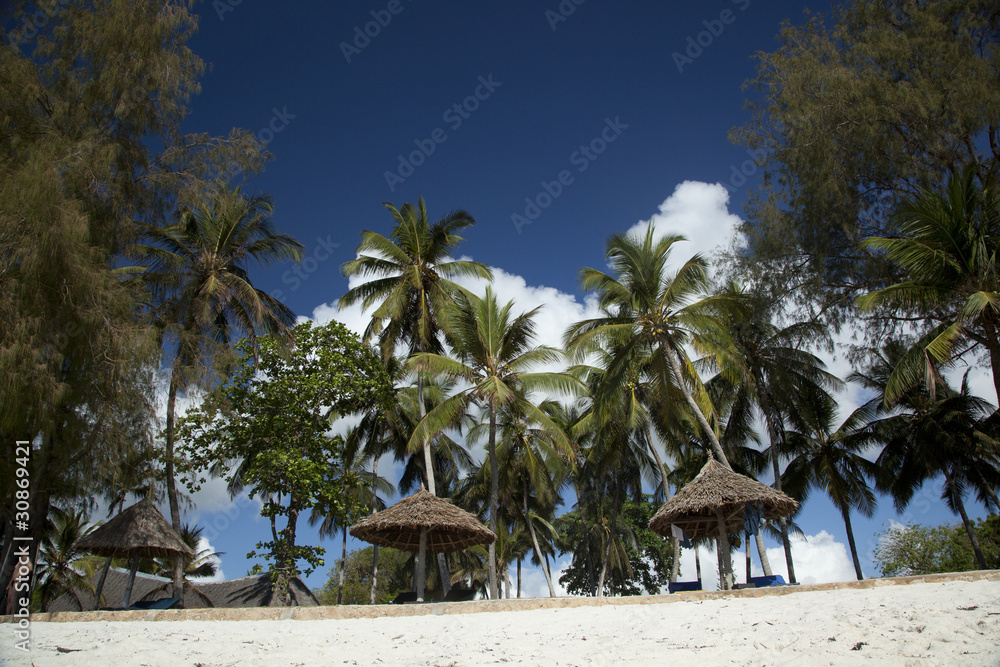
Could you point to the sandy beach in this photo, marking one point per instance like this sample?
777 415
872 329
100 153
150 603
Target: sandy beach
944 622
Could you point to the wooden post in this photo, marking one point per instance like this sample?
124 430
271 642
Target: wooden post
421 565
131 579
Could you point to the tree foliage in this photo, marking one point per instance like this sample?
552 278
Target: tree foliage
395 576
854 113
648 557
915 550
268 427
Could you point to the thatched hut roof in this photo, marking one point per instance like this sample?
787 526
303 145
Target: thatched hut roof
141 528
448 527
718 489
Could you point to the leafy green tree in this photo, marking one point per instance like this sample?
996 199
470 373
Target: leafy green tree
92 103
197 270
648 558
270 422
853 113
914 550
495 355
948 251
395 576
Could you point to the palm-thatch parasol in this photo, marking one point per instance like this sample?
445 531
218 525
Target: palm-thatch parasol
714 504
139 532
423 518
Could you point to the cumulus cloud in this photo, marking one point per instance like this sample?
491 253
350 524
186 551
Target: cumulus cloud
700 213
818 559
205 547
533 583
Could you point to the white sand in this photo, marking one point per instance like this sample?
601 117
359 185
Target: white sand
951 623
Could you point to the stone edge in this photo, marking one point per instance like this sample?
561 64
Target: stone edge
479 606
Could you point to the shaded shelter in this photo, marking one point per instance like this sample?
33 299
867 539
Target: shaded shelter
714 504
423 523
138 532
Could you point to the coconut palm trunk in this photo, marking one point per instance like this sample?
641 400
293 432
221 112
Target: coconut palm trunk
175 511
535 546
970 530
846 513
494 499
765 564
675 368
775 431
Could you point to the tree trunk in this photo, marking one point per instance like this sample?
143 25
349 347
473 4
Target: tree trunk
100 583
846 513
675 567
747 549
518 578
697 564
494 500
534 543
776 433
993 346
420 574
675 544
726 554
969 528
175 511
374 547
675 367
765 564
343 566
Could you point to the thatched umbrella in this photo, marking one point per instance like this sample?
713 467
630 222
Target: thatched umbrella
714 503
423 523
139 532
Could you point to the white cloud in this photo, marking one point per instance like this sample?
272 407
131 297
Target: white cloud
205 546
699 212
818 559
533 583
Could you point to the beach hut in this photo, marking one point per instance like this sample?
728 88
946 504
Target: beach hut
715 504
138 532
423 523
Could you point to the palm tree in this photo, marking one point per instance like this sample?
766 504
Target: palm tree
360 490
495 354
650 312
410 285
197 270
949 252
761 365
63 567
833 460
929 433
203 564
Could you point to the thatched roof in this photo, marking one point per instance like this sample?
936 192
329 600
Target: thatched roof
717 488
141 528
252 591
448 527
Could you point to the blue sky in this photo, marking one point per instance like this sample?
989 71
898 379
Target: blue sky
598 114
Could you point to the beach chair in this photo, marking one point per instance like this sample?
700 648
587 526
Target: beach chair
162 603
764 582
460 595
682 586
